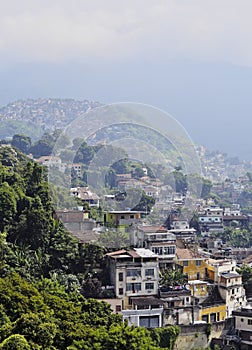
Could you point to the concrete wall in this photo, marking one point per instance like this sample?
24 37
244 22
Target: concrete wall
80 226
194 336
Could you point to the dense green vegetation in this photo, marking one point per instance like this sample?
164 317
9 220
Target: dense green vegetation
246 273
44 316
236 236
32 241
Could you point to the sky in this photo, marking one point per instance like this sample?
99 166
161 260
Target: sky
191 58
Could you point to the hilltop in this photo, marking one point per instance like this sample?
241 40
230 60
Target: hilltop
34 117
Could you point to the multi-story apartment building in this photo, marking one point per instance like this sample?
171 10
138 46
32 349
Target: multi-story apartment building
133 273
159 240
211 220
243 326
77 168
232 291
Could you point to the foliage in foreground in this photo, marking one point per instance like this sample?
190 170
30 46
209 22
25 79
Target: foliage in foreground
43 316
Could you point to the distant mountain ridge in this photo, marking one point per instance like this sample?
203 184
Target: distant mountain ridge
33 117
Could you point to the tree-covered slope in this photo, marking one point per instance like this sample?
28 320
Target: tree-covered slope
41 269
43 316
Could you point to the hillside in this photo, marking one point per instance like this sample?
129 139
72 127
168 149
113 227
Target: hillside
33 117
42 272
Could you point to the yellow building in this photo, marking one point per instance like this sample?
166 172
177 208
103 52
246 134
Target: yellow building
198 288
122 220
213 308
194 266
213 313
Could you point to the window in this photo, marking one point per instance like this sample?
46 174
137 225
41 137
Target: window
149 285
133 273
132 216
129 287
198 262
149 321
120 276
137 286
205 318
157 250
133 287
169 250
172 250
198 275
118 308
202 288
185 263
120 291
242 319
149 272
213 317
249 321
122 216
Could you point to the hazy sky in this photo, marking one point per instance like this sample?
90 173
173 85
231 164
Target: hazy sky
192 58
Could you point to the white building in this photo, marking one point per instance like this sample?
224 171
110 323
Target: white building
133 273
232 291
211 220
145 312
243 326
159 240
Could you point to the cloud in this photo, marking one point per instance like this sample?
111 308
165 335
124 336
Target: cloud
79 30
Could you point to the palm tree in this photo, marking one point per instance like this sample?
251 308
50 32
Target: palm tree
172 277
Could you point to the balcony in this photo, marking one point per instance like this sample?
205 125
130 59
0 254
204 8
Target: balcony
134 278
134 293
166 256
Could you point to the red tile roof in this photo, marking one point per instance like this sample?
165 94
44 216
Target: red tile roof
152 229
187 254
